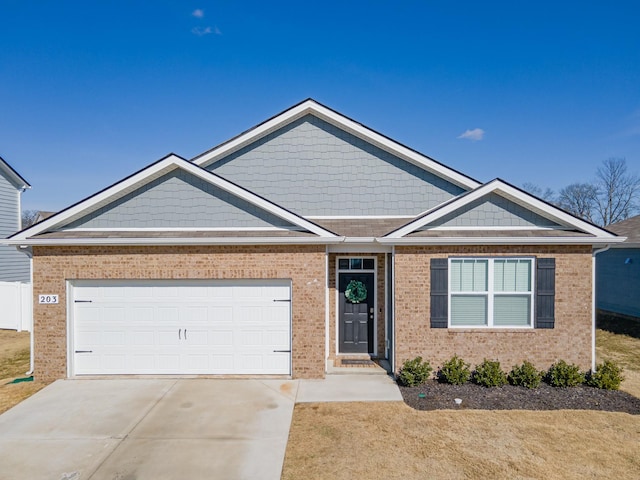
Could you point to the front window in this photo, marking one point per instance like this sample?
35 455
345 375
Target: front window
490 292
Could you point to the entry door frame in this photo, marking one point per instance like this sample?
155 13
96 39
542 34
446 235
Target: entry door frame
375 300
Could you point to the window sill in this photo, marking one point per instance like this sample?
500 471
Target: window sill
491 330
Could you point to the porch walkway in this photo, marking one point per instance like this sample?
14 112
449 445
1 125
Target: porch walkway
349 387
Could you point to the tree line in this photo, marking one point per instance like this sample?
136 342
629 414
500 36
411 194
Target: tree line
612 196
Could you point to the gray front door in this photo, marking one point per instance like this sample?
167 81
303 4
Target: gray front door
356 318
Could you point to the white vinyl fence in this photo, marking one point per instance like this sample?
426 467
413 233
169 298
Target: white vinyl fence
16 306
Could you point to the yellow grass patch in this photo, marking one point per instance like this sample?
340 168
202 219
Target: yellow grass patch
391 440
624 350
14 363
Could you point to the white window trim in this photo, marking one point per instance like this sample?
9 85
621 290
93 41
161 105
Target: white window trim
490 294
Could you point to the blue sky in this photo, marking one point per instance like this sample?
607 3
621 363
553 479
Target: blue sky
93 91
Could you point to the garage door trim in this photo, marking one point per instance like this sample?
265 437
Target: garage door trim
239 347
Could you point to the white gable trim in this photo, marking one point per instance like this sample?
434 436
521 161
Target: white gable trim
13 176
510 193
339 121
152 172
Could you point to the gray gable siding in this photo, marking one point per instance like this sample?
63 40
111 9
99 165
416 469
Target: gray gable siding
14 266
314 168
179 200
493 211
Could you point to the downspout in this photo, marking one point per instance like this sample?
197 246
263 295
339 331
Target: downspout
593 305
326 308
392 360
29 253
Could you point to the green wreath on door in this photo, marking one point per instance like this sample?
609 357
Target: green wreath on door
355 292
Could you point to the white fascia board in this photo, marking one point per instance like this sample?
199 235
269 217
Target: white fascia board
15 178
159 168
34 242
340 121
500 241
521 198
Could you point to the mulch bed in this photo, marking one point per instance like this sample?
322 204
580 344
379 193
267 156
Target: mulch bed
442 396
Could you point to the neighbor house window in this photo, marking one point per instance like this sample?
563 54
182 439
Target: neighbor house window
491 292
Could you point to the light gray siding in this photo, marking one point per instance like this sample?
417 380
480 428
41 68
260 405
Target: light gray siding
493 211
314 168
618 281
14 266
175 200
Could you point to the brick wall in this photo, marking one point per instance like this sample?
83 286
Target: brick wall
569 340
304 265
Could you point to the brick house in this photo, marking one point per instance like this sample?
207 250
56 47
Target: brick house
304 241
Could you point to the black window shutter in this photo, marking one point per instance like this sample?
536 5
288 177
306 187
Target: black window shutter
545 293
439 292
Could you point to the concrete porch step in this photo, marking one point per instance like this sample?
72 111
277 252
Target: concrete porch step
379 367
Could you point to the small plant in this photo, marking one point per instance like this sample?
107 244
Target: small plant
561 374
414 372
525 375
489 374
608 375
455 371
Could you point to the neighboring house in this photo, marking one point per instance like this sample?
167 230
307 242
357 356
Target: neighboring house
618 271
304 241
14 265
42 215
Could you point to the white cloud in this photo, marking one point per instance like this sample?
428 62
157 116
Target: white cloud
473 135
202 31
198 13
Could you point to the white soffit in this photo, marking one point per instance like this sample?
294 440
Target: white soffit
162 167
340 121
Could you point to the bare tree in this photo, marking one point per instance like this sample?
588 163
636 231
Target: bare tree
617 192
579 199
29 217
547 194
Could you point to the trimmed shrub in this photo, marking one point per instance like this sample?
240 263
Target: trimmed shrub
525 375
561 374
414 372
608 375
455 371
489 374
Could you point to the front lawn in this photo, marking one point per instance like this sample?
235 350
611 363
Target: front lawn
392 440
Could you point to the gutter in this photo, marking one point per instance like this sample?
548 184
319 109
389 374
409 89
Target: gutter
173 241
593 305
499 241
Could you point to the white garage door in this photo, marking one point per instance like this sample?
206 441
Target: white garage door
181 327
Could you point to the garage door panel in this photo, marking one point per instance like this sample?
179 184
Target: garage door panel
220 315
232 327
113 292
169 337
168 315
197 315
140 315
221 338
143 338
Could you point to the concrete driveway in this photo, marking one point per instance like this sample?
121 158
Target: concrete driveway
133 429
